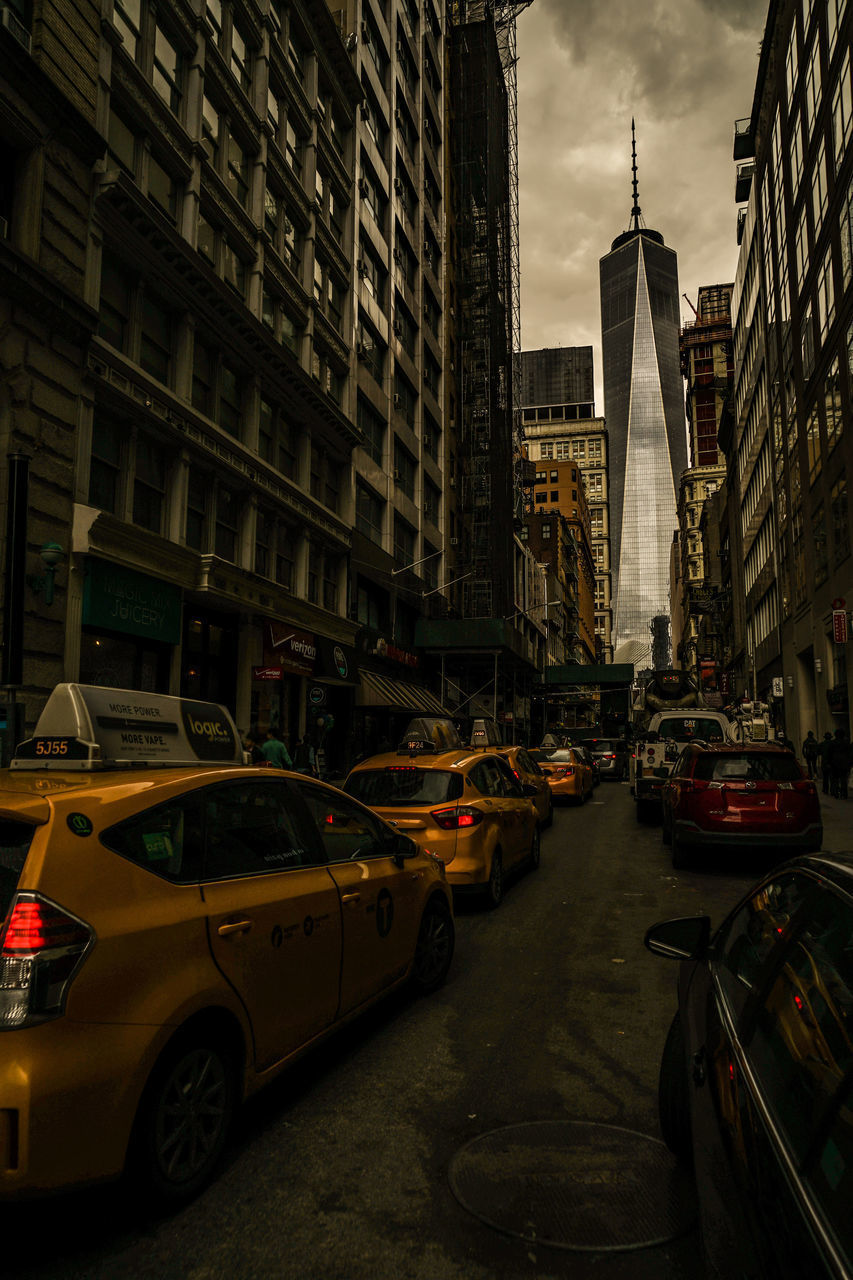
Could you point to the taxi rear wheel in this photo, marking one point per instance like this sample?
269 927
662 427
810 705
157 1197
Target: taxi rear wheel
495 883
184 1119
434 950
535 855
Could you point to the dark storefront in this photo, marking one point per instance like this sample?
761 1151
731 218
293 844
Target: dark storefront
209 657
389 694
130 625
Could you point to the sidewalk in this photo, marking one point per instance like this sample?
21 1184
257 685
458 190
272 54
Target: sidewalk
837 823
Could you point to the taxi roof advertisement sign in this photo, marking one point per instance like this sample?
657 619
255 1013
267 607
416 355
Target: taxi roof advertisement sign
125 726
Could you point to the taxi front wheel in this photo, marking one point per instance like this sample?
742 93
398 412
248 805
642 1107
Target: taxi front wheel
434 950
184 1119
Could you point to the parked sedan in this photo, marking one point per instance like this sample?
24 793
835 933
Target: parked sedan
569 774
753 796
756 1079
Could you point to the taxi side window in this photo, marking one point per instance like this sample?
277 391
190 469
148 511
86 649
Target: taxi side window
801 1048
250 831
527 762
168 839
511 785
347 832
746 941
486 778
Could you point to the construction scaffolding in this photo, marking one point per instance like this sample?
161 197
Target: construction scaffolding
483 52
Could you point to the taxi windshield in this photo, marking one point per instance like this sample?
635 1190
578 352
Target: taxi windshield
403 785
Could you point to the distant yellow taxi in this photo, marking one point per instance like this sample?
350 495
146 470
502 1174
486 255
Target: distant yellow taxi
465 807
176 928
569 773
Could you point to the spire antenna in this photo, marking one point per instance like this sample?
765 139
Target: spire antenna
636 212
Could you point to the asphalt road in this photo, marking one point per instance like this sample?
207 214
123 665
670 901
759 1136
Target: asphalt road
553 1012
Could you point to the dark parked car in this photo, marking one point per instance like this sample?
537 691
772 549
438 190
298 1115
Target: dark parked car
612 756
756 1081
750 797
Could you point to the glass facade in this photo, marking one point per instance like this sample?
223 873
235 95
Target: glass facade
645 418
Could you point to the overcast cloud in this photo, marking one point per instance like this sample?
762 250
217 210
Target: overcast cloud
685 70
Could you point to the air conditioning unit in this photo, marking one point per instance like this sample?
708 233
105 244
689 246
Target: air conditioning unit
398 116
398 257
364 111
395 474
398 328
401 49
454 542
363 186
10 20
360 349
361 267
398 400
365 33
398 186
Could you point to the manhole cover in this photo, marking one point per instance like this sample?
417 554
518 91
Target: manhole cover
574 1185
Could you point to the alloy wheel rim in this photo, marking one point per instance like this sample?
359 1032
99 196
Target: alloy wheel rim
433 946
191 1115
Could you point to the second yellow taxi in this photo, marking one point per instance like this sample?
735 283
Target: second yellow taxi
464 806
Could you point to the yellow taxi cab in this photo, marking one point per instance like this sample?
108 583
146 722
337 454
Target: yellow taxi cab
463 806
486 734
569 774
176 928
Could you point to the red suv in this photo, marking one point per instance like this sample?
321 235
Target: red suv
753 795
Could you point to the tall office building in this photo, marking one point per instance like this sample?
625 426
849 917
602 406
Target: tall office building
643 401
557 375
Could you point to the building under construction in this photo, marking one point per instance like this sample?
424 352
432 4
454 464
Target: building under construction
497 570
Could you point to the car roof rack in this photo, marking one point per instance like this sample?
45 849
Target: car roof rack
87 727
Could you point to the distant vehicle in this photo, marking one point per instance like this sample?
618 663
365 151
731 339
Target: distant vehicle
657 750
756 1078
569 773
612 756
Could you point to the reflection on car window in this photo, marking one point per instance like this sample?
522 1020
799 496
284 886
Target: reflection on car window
403 785
511 784
830 1171
347 831
486 777
801 1047
755 766
747 939
250 831
168 839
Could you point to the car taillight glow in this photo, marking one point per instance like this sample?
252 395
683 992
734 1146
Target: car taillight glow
564 773
41 947
457 818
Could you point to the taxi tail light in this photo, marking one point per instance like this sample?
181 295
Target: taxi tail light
568 772
41 947
457 818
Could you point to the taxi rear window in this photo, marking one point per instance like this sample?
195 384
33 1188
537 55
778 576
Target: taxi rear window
403 785
15 839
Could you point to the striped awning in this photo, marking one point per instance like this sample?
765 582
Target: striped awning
383 691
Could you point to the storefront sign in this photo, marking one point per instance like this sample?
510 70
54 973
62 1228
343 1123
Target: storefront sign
317 695
266 673
378 645
839 626
291 650
119 599
336 662
778 687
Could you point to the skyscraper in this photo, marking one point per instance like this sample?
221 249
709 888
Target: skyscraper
644 407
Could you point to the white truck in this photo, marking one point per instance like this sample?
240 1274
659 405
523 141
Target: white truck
669 711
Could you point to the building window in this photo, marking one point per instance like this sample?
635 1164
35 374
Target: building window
230 400
155 353
105 466
198 487
405 470
842 111
115 303
825 295
369 513
832 403
840 523
373 428
167 70
226 528
149 485
404 542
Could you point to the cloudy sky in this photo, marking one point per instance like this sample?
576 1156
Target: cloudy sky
685 70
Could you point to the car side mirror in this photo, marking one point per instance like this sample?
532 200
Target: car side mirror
529 789
404 847
683 939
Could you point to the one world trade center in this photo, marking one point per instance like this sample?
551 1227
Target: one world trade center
644 407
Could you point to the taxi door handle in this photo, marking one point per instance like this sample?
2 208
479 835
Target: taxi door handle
350 897
234 926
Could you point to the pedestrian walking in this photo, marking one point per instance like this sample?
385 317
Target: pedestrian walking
810 746
304 757
275 752
839 764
